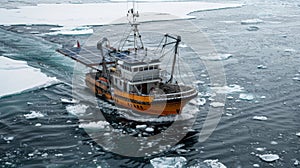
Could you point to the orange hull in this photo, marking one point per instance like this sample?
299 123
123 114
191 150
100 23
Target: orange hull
142 104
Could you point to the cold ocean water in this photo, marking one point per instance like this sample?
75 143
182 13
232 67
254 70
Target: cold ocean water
259 50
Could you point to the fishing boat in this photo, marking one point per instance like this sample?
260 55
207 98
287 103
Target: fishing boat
131 76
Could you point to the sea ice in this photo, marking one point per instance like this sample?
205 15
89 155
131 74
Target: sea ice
274 143
149 129
68 101
251 21
101 13
217 57
261 149
94 125
261 118
198 101
217 104
269 157
228 89
214 163
298 134
140 126
245 96
17 74
83 30
296 78
33 114
168 162
296 162
9 138
38 124
256 165
76 110
261 67
58 154
253 28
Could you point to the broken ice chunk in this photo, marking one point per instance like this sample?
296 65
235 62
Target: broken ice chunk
269 157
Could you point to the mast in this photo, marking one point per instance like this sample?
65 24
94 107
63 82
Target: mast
176 42
134 24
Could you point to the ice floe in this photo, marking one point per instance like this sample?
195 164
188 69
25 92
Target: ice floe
94 125
20 77
260 149
33 115
217 57
296 162
296 78
78 109
246 96
38 124
261 67
82 30
101 13
214 163
217 104
68 101
252 28
228 89
251 21
298 134
269 157
256 165
260 118
168 162
198 101
141 126
274 143
149 129
8 138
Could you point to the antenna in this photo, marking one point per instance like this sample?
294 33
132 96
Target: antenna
132 16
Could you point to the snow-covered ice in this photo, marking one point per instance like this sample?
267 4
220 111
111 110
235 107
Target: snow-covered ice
38 124
228 89
261 66
198 101
251 21
246 96
260 118
269 157
69 101
82 30
78 109
168 162
149 129
252 28
33 115
256 165
260 149
9 138
101 13
20 77
274 143
217 57
217 104
298 134
296 162
214 163
296 78
94 125
141 126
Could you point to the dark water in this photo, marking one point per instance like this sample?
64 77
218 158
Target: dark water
238 138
